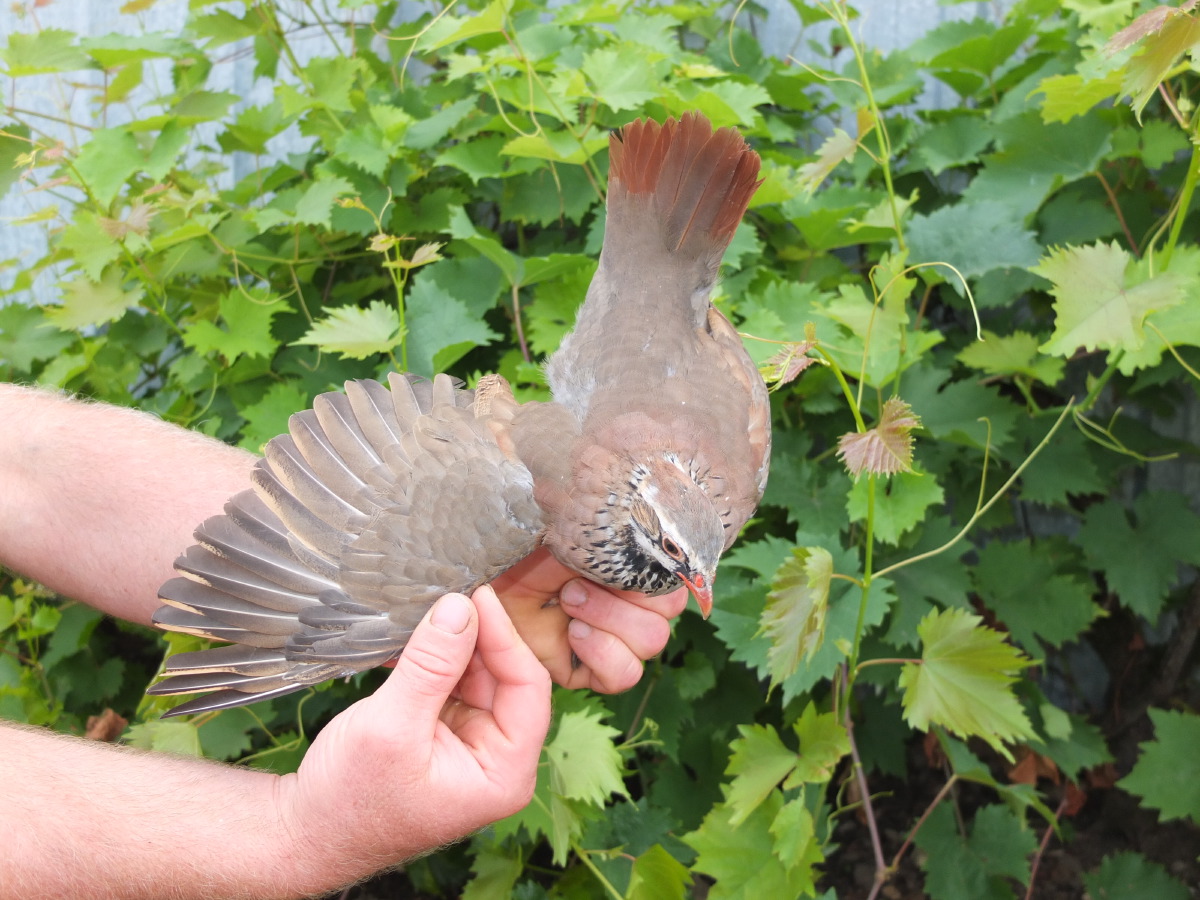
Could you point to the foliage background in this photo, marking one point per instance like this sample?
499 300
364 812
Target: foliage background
444 213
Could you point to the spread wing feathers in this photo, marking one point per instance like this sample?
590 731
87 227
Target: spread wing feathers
374 504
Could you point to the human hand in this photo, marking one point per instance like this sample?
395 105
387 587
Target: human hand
610 632
448 744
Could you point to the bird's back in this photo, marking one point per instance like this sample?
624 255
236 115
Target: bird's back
649 351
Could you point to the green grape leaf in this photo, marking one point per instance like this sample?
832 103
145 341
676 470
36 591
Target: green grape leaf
962 412
823 744
796 842
1166 34
762 557
656 875
478 158
973 237
179 738
1095 305
441 328
836 149
1062 468
315 206
268 416
27 337
447 30
426 132
1024 584
622 78
247 315
552 313
1140 557
86 302
227 736
725 102
584 763
741 857
957 141
494 871
998 847
1066 96
1075 745
366 148
794 615
759 761
1012 354
1165 773
39 52
355 332
106 162
900 503
963 681
88 244
1126 875
556 146
14 145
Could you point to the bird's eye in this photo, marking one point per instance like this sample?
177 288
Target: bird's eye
671 549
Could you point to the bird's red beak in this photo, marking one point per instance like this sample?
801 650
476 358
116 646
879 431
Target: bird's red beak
701 589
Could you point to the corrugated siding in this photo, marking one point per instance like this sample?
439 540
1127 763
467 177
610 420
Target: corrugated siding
886 24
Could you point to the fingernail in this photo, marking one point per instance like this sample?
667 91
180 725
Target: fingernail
573 593
579 629
451 614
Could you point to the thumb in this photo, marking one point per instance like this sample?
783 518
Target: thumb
433 661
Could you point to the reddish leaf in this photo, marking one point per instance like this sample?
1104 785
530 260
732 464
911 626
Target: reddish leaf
1146 24
786 365
885 449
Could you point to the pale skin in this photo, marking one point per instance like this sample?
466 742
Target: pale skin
95 503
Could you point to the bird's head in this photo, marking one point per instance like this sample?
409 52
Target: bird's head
674 533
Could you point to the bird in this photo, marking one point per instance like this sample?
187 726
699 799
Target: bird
638 474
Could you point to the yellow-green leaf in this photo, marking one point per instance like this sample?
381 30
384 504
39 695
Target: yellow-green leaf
759 762
86 302
356 332
963 681
584 764
1096 306
794 616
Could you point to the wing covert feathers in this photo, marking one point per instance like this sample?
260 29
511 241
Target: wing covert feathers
701 181
374 504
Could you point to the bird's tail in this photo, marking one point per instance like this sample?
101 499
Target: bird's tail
698 181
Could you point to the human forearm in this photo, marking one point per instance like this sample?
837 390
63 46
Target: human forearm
97 501
90 820
397 774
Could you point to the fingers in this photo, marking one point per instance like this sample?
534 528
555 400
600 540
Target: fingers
612 632
521 703
432 663
641 622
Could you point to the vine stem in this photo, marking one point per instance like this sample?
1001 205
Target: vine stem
933 804
837 12
595 870
516 305
1000 492
868 561
1185 200
1041 850
860 776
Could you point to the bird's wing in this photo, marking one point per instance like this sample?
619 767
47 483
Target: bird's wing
375 504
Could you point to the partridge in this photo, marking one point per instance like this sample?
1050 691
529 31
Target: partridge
638 475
